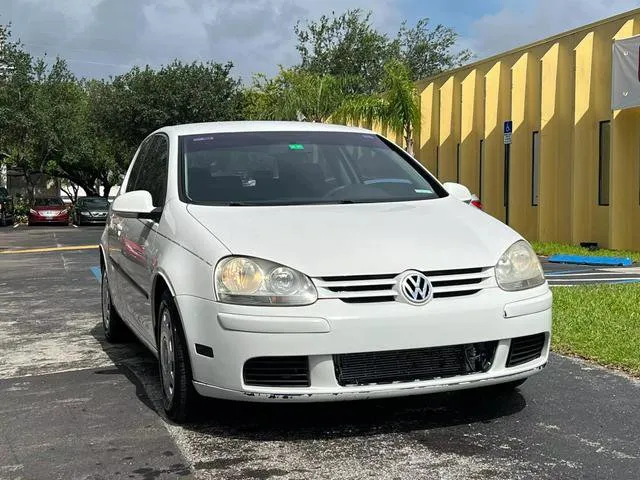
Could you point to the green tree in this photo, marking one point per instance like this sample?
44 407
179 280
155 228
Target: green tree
295 95
426 51
345 46
44 123
397 107
16 94
349 46
140 101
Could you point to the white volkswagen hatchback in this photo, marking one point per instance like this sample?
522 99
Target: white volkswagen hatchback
306 262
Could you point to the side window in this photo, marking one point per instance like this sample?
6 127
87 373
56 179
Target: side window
152 175
137 165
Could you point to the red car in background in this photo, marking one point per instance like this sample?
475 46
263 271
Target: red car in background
48 210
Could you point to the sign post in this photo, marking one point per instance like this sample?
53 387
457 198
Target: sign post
507 131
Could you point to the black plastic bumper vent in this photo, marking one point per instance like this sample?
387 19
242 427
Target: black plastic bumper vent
525 349
277 372
413 365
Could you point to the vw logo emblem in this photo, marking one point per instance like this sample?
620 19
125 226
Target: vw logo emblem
415 288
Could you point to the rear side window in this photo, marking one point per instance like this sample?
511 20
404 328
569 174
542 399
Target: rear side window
138 162
150 170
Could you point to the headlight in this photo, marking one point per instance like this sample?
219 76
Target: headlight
519 268
251 281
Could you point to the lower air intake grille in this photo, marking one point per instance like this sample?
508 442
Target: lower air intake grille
413 365
525 349
277 372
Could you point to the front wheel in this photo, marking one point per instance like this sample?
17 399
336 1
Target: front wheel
178 394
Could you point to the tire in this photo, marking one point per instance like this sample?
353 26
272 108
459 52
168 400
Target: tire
114 328
3 219
179 397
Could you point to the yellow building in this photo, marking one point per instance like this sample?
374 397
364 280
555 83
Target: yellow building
573 173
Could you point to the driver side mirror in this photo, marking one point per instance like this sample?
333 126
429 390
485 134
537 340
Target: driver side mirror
458 191
135 204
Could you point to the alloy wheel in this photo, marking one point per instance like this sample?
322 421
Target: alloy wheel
167 356
106 303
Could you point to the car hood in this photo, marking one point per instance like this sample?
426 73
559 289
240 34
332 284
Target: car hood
360 239
94 209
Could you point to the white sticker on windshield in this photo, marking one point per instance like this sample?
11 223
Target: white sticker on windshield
421 190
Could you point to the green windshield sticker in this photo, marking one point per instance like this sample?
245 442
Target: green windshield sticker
296 146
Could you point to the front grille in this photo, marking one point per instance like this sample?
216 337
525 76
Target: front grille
277 372
525 349
413 365
383 288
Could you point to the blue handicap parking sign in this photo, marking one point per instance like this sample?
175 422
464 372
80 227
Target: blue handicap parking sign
508 126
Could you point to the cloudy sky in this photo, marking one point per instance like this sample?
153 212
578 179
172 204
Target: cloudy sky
100 38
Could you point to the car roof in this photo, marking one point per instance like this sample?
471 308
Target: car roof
262 126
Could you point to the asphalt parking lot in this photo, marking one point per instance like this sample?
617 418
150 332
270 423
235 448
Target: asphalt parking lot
74 407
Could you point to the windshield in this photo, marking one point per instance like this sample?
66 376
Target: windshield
48 202
275 168
95 202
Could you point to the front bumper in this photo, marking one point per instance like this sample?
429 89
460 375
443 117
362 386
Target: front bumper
63 219
93 220
329 327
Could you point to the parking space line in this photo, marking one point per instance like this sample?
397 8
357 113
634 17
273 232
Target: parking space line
50 249
567 272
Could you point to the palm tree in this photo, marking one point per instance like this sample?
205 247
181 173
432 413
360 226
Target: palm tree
296 95
396 108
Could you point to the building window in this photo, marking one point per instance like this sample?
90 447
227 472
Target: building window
458 163
535 169
481 171
604 168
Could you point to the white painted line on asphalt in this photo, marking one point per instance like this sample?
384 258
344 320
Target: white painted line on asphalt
622 270
600 280
594 274
16 225
74 225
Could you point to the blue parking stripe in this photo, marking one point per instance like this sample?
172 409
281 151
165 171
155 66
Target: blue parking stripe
97 272
588 260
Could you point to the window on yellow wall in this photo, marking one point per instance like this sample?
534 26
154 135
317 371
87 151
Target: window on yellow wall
535 169
604 163
458 163
481 170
